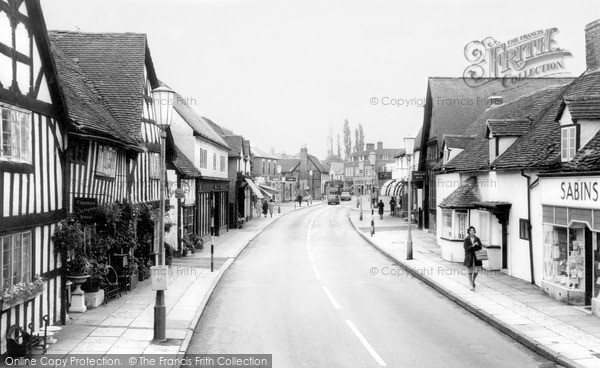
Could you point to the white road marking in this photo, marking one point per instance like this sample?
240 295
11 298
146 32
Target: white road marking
310 257
317 275
366 344
331 298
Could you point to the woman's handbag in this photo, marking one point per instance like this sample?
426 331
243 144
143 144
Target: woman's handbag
481 255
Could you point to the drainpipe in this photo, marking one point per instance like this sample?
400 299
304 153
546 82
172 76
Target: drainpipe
529 224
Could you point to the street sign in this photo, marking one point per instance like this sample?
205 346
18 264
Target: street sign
85 208
387 175
179 193
293 178
419 175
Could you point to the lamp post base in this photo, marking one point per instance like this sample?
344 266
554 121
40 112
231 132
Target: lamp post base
160 317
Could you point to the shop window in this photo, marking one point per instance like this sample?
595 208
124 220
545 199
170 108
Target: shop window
16 259
524 229
568 142
564 251
188 219
454 223
15 135
107 161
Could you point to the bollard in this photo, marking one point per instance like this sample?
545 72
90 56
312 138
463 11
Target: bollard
212 254
279 209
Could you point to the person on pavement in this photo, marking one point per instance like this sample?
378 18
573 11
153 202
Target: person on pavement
299 200
265 207
381 206
471 245
271 206
257 207
392 206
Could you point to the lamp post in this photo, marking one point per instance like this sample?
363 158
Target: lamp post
311 190
372 160
409 145
162 104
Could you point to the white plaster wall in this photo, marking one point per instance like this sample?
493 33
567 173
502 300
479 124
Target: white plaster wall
587 130
183 135
565 118
210 148
537 233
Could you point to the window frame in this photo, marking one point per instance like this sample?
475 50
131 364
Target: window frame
24 273
106 154
154 166
524 229
22 113
568 153
203 158
188 219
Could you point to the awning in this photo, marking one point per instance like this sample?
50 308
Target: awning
385 187
254 188
267 191
398 189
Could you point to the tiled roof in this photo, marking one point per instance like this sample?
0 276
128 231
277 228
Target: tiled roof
184 165
418 139
114 64
455 105
84 104
532 107
464 196
318 164
218 128
475 157
235 142
199 124
288 164
584 107
458 141
507 127
539 146
336 167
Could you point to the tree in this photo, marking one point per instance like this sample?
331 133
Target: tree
356 140
330 142
361 138
347 139
339 146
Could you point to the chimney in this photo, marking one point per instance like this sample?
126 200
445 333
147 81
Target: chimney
370 146
592 45
494 100
379 145
303 165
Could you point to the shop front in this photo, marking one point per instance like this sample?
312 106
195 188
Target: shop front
571 231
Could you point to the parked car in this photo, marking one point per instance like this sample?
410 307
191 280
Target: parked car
346 196
333 199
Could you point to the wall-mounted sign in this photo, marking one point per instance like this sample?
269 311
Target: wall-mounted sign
575 191
387 175
419 175
288 178
85 208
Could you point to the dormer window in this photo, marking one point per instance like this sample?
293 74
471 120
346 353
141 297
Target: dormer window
569 139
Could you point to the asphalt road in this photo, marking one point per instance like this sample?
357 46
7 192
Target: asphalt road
305 292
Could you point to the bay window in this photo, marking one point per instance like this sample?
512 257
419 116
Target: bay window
454 223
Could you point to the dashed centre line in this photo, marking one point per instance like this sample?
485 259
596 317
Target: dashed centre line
331 298
366 344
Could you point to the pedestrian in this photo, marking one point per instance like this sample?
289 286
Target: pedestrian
381 206
392 206
299 200
265 207
271 206
168 254
257 207
472 244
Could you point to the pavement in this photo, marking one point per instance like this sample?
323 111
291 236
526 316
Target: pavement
125 325
565 334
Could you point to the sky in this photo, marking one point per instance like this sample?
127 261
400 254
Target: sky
284 73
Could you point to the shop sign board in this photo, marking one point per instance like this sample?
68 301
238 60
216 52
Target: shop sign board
574 191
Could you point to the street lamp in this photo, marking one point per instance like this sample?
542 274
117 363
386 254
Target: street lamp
409 146
162 105
372 160
311 190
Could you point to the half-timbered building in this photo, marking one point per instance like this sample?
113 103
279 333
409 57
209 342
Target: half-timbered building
32 160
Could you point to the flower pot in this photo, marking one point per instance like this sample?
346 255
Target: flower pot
78 295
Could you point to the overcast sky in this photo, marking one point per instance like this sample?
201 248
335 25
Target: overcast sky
282 73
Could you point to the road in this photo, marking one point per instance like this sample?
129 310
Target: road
305 292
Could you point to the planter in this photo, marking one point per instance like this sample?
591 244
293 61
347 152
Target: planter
78 295
18 301
94 299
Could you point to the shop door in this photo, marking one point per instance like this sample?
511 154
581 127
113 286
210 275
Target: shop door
596 264
589 267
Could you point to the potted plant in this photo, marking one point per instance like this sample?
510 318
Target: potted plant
94 294
21 292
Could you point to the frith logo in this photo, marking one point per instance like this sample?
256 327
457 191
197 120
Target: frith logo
531 55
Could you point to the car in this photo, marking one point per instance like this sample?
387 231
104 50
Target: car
333 199
346 196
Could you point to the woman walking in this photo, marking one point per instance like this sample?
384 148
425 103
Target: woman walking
380 205
271 206
265 207
471 245
392 206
